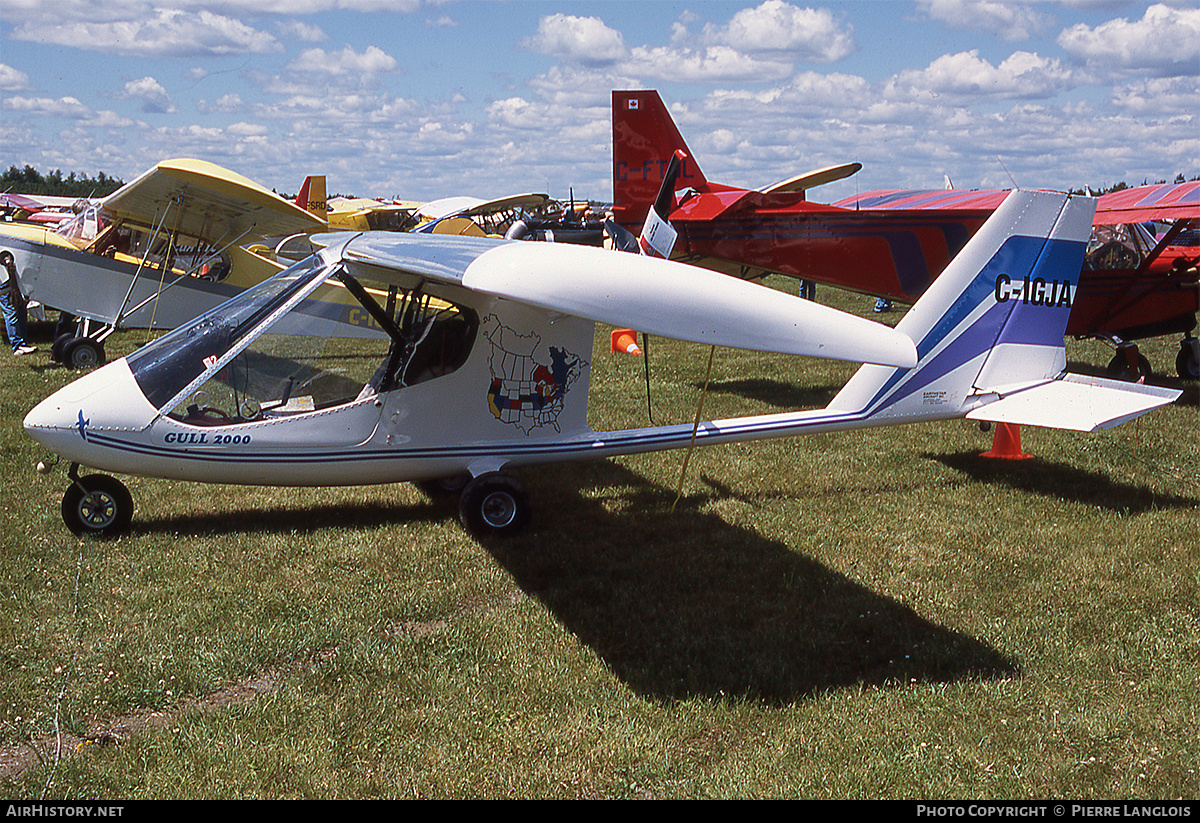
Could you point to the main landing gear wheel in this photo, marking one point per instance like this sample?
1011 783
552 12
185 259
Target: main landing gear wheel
60 342
1120 368
494 505
1187 362
82 353
97 505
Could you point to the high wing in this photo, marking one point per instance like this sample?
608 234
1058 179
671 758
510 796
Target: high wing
817 177
1178 201
207 202
1162 201
466 206
514 201
952 199
659 297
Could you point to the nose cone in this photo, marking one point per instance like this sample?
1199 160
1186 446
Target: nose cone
103 401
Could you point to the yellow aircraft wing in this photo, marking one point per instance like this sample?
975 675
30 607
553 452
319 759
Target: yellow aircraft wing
207 202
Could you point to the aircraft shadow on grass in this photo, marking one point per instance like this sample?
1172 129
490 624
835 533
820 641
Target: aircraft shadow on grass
678 604
682 604
288 520
1064 482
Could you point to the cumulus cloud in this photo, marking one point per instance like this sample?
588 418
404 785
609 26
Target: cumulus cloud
11 79
304 32
48 106
1160 96
1023 75
759 44
1012 21
154 98
69 108
775 26
711 64
1163 42
163 33
371 62
585 40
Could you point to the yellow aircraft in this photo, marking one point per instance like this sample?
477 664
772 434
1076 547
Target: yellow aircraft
460 215
182 238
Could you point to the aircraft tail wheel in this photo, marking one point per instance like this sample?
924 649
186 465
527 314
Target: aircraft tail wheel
97 505
83 353
494 504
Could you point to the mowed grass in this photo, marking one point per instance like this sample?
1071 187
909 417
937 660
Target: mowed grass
880 614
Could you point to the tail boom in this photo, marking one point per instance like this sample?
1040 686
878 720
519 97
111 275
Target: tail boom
989 337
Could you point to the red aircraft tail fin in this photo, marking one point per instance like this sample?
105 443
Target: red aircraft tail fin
645 139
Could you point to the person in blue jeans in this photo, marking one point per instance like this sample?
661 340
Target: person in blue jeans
12 305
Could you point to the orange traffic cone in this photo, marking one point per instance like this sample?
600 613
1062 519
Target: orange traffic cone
625 341
1006 444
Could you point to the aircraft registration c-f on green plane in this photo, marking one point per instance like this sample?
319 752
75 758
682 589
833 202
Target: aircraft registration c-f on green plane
480 364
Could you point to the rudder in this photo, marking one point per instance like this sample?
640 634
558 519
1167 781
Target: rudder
995 317
645 138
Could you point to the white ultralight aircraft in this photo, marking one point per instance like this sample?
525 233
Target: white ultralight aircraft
480 357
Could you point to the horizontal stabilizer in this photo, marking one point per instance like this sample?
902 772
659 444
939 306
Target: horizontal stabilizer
1075 402
671 299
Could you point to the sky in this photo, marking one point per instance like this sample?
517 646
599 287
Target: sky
421 99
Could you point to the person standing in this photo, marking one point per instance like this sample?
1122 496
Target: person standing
12 305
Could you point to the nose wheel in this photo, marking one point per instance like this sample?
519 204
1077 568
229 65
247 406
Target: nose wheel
494 505
97 505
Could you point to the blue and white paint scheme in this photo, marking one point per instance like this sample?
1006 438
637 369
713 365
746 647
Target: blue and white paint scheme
482 353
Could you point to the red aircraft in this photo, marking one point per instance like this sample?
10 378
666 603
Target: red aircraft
891 244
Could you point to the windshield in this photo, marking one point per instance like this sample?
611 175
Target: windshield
166 366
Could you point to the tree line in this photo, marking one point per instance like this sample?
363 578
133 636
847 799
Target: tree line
29 180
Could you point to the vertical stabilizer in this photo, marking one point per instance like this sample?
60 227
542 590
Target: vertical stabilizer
645 139
312 196
994 318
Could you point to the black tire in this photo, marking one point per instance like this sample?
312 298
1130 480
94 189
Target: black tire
1187 365
494 505
1118 367
83 353
59 344
97 505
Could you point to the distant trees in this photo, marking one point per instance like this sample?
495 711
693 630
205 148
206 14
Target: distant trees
29 180
1179 178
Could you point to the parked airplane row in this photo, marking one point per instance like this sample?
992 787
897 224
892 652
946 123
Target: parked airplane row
450 359
892 244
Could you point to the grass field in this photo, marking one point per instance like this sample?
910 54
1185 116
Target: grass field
882 614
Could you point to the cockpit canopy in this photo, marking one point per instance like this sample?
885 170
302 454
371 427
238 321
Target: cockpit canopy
312 337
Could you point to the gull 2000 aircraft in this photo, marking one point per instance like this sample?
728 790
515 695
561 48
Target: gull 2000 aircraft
481 364
892 244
